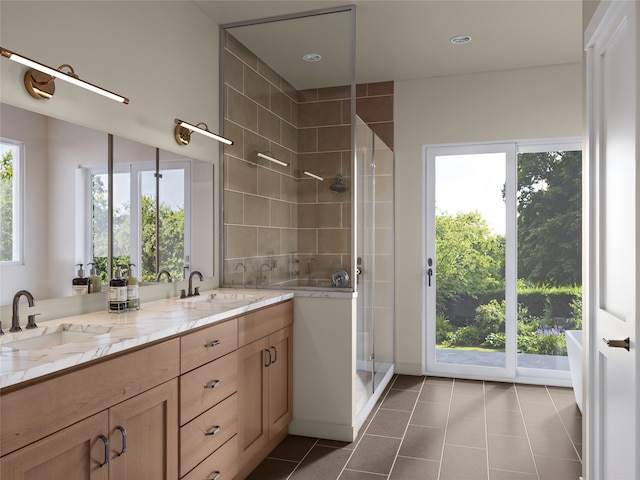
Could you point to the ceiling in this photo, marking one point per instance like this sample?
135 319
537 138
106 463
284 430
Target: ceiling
403 40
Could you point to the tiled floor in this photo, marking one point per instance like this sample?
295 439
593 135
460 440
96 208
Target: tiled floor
445 429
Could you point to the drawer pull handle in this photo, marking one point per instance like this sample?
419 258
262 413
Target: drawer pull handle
216 476
212 432
215 384
106 450
124 439
215 343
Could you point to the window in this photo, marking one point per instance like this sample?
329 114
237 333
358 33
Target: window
134 219
11 200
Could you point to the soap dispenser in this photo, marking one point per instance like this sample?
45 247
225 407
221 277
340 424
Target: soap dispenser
132 289
80 284
95 282
118 292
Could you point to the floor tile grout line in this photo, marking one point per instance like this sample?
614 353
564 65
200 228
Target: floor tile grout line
446 426
573 444
382 398
406 428
302 459
526 431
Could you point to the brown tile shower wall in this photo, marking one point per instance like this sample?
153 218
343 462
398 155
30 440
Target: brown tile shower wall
324 216
260 197
276 218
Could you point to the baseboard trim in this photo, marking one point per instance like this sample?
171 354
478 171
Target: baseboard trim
328 431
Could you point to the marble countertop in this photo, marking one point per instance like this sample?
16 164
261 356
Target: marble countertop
95 335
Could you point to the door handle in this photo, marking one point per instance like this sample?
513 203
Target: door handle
429 272
618 343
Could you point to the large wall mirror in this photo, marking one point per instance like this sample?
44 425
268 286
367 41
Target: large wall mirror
54 195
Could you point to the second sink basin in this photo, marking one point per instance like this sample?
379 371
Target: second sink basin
53 337
221 298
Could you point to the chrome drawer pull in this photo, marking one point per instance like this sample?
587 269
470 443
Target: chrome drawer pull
216 476
213 432
215 384
215 343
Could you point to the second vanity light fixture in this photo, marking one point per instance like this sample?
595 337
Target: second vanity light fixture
184 130
313 175
39 79
272 159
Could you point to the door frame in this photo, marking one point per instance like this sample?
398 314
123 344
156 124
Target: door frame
511 371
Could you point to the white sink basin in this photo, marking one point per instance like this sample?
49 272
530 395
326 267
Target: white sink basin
46 338
221 298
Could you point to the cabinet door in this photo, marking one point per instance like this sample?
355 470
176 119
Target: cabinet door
280 380
74 453
148 425
253 428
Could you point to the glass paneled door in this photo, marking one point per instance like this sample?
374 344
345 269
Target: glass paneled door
470 260
502 258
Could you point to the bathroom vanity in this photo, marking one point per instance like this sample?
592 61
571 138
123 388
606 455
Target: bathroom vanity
191 389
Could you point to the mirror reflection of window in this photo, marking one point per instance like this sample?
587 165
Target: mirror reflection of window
10 202
172 218
134 219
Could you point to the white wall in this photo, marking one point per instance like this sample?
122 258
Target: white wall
508 105
163 56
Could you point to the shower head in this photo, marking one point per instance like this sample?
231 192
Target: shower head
338 187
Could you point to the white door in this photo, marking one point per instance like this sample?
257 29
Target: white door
613 262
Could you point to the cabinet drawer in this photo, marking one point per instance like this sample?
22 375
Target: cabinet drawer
201 347
261 323
197 438
202 388
223 462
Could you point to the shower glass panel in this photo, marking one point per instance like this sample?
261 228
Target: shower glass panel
374 282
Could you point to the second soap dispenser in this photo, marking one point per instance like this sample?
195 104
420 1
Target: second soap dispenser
133 302
95 281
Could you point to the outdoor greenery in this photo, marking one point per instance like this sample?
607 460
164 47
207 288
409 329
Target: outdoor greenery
171 236
6 207
471 276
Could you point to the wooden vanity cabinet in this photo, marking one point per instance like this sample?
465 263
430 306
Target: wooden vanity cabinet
147 421
265 388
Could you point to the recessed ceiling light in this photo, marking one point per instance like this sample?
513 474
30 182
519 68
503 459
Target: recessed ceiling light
460 39
312 57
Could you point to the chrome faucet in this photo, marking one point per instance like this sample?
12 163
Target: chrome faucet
262 277
190 293
311 259
164 272
15 319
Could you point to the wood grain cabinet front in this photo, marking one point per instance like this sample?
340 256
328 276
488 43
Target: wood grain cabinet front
265 383
207 344
133 440
206 433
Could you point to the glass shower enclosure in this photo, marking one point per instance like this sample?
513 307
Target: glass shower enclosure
374 267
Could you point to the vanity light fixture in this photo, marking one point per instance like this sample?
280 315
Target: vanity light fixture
271 159
313 175
39 79
184 130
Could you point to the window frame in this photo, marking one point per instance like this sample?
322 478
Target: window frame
19 186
